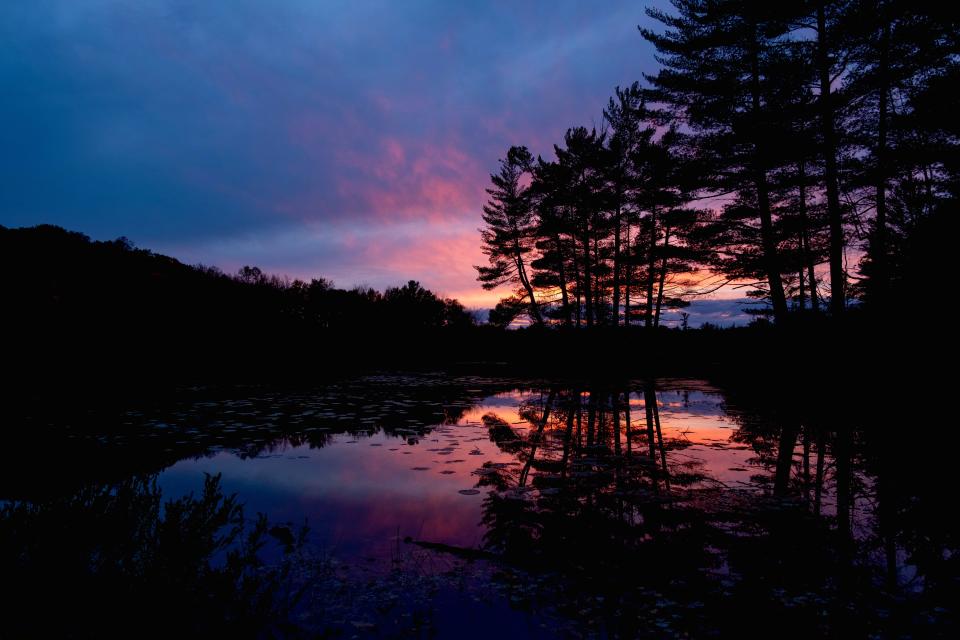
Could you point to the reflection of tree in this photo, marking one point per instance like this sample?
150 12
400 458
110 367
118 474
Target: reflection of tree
872 536
90 563
579 504
114 443
610 512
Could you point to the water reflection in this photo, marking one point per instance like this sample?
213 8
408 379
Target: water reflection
641 508
693 510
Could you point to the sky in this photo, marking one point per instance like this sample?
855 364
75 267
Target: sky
350 140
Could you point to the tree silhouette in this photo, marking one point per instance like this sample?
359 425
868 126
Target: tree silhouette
508 237
714 80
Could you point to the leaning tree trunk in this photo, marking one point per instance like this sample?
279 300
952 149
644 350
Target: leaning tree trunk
663 275
525 282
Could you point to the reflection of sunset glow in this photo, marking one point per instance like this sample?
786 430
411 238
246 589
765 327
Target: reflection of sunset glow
360 491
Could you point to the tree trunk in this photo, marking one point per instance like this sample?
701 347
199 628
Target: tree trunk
587 276
626 285
597 288
616 263
879 249
663 275
578 308
767 239
837 276
777 298
562 275
651 268
534 308
806 253
801 294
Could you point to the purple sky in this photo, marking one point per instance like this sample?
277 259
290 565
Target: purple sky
350 140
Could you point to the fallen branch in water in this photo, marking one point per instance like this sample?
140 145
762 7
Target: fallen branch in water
460 552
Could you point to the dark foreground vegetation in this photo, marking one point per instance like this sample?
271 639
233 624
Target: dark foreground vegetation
117 559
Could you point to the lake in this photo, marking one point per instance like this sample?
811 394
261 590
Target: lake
464 506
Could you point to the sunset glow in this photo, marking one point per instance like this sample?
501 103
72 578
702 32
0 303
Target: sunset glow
276 135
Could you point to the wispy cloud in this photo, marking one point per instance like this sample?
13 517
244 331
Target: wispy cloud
345 139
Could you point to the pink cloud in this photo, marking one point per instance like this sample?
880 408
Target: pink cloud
411 180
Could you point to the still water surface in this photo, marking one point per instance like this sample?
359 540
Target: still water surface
467 506
361 472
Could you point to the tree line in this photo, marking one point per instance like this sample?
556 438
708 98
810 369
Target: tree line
804 150
113 286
